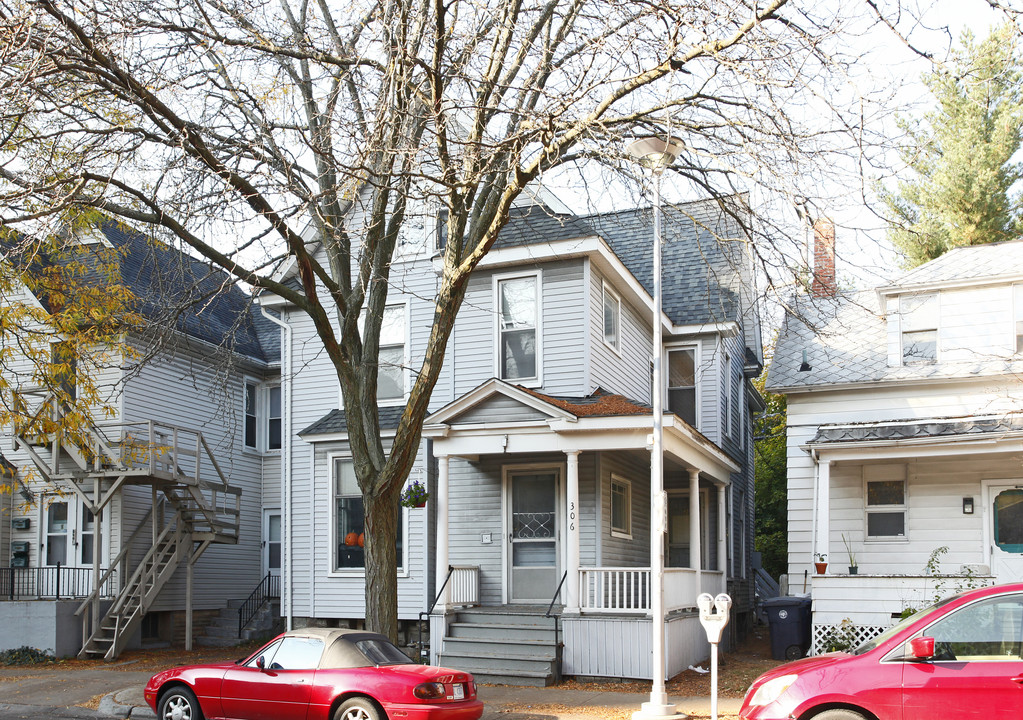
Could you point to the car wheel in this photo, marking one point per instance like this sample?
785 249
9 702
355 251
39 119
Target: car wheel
179 703
793 652
839 714
357 708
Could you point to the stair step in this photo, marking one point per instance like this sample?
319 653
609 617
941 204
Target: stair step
523 679
492 617
494 664
500 632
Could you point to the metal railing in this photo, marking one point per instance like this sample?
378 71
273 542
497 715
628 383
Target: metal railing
465 590
52 583
558 650
269 587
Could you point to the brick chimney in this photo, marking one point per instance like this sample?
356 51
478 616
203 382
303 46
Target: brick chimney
824 259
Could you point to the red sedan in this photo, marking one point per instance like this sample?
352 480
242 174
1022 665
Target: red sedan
960 658
316 674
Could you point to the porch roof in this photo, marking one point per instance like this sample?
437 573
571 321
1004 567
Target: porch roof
600 421
944 435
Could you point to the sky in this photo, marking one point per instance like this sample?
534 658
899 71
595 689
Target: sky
865 258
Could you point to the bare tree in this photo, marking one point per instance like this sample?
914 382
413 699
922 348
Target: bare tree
235 126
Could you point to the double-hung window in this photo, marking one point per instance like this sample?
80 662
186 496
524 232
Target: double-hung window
518 328
612 319
919 325
391 360
621 507
350 520
262 416
886 509
682 383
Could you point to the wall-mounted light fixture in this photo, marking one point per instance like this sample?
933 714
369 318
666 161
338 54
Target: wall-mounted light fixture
967 506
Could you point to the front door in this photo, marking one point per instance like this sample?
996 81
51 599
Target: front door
272 542
533 535
69 533
1004 522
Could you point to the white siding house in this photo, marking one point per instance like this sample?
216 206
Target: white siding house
905 436
536 452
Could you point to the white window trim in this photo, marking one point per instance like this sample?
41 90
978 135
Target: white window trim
627 484
606 292
262 416
403 571
496 295
903 331
408 252
726 384
904 508
1016 289
697 347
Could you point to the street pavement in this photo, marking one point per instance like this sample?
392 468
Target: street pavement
62 693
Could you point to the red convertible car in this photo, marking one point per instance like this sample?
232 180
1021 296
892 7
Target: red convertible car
316 674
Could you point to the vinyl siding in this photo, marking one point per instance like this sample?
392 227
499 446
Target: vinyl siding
626 372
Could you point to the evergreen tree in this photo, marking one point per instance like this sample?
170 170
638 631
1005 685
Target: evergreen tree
771 493
962 152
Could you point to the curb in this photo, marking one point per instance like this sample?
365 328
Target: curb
113 707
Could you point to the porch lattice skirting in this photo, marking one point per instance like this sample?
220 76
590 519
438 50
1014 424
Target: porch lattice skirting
847 632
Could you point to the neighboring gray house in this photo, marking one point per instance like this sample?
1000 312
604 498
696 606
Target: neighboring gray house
905 436
162 510
537 452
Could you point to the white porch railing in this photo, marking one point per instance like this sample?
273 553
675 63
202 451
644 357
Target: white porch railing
465 585
627 589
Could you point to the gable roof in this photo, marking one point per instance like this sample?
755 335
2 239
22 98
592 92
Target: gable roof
702 265
973 262
845 337
172 289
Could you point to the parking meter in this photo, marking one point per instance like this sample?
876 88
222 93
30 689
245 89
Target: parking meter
714 617
714 614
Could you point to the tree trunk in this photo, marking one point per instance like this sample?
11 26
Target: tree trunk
381 562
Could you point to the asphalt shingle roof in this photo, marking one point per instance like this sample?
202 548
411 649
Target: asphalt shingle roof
909 429
335 421
845 337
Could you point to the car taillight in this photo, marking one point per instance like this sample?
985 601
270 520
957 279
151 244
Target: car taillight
429 691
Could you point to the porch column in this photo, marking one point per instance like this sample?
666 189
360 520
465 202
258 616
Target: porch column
822 509
723 538
443 462
695 555
572 564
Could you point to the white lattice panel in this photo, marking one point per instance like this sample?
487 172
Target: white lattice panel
856 634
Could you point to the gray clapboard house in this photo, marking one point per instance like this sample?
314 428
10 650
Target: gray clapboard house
537 453
156 518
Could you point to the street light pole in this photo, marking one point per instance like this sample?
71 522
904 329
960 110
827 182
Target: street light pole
656 154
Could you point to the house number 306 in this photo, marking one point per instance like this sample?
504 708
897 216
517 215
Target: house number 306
571 516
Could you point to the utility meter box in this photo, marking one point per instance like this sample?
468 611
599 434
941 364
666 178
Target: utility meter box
21 523
19 554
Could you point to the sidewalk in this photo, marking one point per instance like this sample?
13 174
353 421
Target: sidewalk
119 695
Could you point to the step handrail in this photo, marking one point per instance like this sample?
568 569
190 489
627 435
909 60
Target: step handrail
558 654
428 613
256 599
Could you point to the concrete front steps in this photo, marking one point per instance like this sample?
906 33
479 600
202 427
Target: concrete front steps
223 630
503 646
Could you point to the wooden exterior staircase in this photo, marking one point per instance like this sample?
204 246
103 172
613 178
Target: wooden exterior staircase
198 507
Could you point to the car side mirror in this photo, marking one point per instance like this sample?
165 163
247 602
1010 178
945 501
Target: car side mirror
922 648
261 663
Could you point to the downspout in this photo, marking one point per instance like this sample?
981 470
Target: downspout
286 584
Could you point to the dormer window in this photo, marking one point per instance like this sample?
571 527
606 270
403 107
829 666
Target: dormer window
612 319
518 325
919 324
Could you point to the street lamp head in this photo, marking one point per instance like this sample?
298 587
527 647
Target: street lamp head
655 153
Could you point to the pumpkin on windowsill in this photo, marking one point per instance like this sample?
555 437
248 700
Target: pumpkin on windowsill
351 539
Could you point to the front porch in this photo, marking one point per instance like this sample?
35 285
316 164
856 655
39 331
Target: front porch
850 609
542 502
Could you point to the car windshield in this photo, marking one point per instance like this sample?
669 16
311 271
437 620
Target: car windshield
890 632
380 652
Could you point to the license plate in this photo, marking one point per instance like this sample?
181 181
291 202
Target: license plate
459 691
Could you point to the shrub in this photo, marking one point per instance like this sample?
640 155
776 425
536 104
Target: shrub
25 655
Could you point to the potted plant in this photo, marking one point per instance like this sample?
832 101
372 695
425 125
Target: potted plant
414 495
820 563
853 568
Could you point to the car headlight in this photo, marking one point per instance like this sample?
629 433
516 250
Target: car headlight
772 690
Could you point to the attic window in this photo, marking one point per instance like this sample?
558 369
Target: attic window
612 319
919 324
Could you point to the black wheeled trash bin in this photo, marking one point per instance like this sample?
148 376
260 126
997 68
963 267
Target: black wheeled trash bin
789 620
